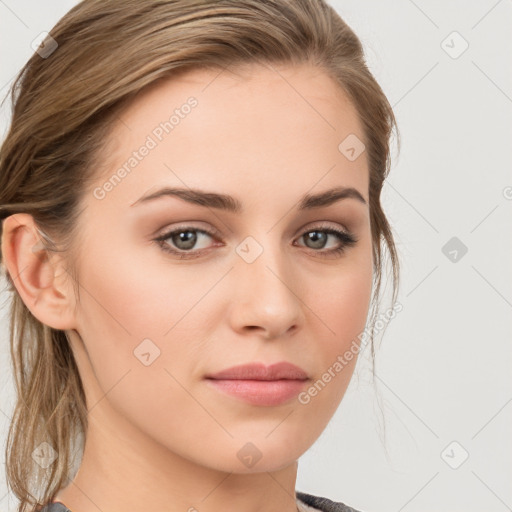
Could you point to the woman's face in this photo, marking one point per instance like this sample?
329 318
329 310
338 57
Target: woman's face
260 284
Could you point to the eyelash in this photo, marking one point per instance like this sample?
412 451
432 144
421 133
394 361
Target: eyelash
348 240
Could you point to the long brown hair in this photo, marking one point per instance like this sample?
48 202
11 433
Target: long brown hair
64 105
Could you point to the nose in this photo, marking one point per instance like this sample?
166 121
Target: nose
266 296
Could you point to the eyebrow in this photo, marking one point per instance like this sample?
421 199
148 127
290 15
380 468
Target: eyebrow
231 204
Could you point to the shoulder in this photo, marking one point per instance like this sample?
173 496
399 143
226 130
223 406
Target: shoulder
323 504
55 507
314 502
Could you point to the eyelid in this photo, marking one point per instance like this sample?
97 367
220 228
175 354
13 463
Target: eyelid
323 224
187 225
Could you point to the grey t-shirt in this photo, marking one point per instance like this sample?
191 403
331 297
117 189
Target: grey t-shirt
305 502
322 504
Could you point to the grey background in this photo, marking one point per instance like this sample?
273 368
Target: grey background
443 367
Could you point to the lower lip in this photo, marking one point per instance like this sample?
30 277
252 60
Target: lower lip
260 392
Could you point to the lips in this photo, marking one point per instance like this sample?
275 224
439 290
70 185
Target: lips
260 385
258 371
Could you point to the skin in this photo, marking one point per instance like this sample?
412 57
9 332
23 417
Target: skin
159 438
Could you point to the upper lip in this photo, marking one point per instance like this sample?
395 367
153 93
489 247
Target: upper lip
258 371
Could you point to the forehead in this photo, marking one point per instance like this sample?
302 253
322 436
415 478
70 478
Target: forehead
252 128
304 88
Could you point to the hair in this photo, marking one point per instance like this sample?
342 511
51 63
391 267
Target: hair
65 105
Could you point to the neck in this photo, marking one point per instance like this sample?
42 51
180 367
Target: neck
122 469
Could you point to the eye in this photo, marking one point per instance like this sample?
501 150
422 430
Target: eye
185 238
318 236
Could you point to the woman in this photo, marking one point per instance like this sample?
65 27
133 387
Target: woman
191 232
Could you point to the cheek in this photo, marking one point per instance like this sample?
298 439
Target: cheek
132 316
131 292
342 310
342 305
126 299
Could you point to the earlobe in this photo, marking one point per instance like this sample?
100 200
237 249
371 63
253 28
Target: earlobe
38 274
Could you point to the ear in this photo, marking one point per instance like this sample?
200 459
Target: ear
39 276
